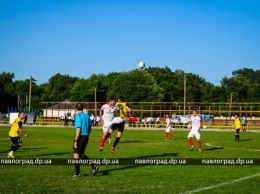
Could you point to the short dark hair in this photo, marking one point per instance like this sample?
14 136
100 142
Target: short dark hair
20 113
79 106
121 98
111 98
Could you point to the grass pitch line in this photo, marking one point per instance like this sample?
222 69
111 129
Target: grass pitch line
210 144
222 184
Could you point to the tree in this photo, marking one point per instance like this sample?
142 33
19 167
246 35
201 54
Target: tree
8 95
136 86
59 87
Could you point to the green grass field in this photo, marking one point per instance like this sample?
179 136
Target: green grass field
56 144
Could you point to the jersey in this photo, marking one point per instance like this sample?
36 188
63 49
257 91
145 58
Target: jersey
168 125
83 121
17 124
168 121
237 123
109 112
124 108
195 122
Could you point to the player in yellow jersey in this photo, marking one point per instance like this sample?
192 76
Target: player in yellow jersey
125 112
16 127
237 125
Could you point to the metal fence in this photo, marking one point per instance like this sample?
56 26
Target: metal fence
153 109
214 114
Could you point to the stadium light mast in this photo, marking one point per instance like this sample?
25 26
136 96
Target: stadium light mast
18 101
230 105
184 95
95 102
30 92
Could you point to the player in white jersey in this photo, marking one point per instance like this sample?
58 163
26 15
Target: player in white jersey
168 127
194 127
107 114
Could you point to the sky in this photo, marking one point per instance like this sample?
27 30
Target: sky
210 38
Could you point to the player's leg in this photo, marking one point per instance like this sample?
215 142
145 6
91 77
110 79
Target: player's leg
166 134
102 142
115 121
109 139
16 144
170 132
104 137
120 131
82 147
197 135
237 135
190 135
76 156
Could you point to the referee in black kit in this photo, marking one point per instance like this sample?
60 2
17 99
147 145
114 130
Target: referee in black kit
83 129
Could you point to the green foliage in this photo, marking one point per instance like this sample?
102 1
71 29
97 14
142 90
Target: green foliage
59 87
7 91
152 84
136 86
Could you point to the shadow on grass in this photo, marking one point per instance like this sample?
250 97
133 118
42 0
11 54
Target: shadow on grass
54 154
212 149
39 148
154 157
6 151
5 141
135 141
24 149
246 140
185 138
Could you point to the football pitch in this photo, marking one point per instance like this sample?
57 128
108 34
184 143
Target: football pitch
143 162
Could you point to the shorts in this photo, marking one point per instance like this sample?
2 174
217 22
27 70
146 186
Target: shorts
194 133
82 144
168 129
16 140
108 124
118 126
237 131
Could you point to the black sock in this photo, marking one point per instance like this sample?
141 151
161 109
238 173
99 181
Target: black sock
14 147
90 162
238 138
77 165
116 141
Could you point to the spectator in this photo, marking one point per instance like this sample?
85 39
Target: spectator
66 120
97 120
92 119
243 121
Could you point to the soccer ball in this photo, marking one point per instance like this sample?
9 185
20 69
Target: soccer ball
141 65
